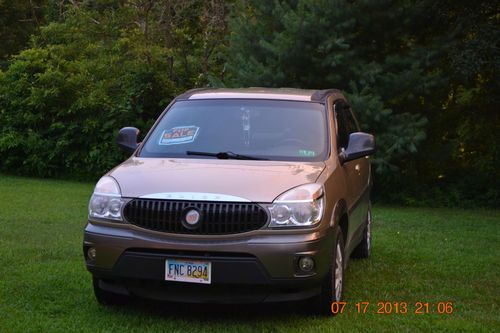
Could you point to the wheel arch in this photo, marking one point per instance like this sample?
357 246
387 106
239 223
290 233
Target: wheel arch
340 218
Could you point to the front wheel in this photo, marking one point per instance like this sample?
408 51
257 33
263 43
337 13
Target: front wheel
364 248
332 288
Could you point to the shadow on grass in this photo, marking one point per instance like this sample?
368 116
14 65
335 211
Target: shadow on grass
210 313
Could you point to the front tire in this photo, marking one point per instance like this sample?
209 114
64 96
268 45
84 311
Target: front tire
333 285
364 248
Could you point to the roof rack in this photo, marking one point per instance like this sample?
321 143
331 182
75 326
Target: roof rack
191 92
322 95
318 96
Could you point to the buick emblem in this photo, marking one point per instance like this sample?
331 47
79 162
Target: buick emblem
191 218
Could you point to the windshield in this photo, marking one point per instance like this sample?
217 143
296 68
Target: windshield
260 129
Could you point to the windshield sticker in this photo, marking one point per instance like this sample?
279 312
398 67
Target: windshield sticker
307 153
178 135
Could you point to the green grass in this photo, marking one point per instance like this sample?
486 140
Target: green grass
427 255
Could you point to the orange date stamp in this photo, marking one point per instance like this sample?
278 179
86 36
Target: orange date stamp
388 308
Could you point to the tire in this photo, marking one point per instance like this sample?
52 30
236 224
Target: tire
108 298
364 248
333 285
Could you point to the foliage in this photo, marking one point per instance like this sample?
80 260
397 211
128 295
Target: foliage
463 150
107 64
319 44
420 74
18 20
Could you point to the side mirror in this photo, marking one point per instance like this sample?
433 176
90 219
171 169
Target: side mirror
127 139
360 144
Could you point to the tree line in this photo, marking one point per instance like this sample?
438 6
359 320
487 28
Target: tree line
421 75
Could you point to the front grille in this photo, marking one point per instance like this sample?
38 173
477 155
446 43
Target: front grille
217 218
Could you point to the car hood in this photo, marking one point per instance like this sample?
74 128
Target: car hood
217 180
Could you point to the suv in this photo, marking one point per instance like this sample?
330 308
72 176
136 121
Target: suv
235 195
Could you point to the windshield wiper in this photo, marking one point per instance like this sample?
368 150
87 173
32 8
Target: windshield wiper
225 155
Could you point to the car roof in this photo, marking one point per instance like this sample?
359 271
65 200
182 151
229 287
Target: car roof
289 94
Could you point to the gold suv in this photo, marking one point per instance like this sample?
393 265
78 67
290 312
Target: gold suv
234 195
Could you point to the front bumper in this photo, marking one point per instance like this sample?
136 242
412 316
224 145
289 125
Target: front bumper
245 269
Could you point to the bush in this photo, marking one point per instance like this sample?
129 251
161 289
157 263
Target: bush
61 112
100 68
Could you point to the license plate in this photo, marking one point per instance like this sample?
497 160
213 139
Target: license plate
193 271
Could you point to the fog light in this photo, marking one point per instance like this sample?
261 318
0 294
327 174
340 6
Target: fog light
91 253
306 264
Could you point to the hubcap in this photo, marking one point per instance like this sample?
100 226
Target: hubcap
339 266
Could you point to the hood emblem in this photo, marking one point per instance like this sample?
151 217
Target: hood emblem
192 218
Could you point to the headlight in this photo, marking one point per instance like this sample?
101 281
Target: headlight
106 201
301 206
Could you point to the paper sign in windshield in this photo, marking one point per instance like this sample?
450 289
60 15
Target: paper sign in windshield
178 135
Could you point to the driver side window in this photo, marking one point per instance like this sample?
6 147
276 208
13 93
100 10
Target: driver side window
346 124
342 130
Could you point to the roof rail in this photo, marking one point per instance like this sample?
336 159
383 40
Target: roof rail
191 92
321 95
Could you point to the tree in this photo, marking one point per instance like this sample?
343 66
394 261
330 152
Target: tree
401 63
463 141
100 66
330 43
18 20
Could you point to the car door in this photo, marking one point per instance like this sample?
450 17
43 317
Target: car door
363 171
347 168
356 171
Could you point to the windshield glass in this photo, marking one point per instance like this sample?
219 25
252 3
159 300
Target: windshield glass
266 129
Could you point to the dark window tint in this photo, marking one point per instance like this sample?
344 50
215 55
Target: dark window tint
346 123
352 125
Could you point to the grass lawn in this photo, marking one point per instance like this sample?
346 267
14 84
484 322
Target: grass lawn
419 255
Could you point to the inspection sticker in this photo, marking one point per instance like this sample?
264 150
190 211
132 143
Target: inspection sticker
178 135
307 153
